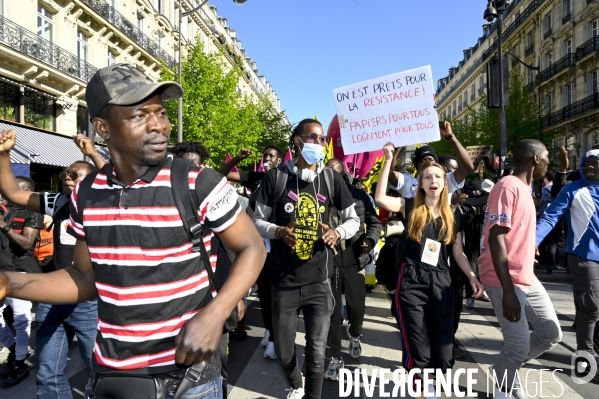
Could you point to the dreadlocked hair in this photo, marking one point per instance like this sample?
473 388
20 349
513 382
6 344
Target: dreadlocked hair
298 130
421 215
190 146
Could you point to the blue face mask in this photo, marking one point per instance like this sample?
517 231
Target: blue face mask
313 153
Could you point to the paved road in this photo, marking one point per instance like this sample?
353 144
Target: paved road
252 376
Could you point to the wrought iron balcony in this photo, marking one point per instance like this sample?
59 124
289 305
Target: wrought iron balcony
529 50
547 33
472 97
566 61
587 48
578 108
130 30
30 44
566 18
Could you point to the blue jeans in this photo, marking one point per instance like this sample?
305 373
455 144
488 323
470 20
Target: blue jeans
56 327
209 390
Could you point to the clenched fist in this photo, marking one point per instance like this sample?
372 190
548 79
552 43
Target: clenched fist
7 140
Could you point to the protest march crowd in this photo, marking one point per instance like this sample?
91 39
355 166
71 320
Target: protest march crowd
133 237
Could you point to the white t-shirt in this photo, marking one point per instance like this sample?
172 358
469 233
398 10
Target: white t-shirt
407 184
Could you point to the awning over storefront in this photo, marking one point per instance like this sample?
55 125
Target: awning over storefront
33 146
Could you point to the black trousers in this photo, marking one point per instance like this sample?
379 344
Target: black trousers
315 302
349 280
585 276
265 296
548 248
461 283
424 300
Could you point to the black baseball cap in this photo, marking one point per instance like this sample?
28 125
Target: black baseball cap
123 84
425 151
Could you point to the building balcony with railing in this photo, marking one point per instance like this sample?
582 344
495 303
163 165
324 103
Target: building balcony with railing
569 60
529 50
548 32
577 108
130 30
588 47
34 46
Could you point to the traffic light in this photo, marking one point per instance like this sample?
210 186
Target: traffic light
493 83
492 162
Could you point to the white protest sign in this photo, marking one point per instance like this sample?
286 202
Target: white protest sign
398 108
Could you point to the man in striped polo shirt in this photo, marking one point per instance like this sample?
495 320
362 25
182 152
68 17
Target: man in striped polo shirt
156 312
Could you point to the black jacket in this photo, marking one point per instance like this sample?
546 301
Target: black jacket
351 249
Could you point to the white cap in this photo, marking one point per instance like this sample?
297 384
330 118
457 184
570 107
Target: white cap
487 185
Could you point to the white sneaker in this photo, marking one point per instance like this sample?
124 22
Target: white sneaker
355 347
332 372
270 353
517 391
264 341
295 393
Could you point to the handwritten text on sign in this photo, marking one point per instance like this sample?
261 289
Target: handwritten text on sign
397 108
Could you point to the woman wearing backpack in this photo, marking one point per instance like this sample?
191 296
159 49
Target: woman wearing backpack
424 296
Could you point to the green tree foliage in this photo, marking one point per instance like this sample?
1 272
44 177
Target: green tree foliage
216 115
480 125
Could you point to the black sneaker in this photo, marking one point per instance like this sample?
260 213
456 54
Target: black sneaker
10 363
458 352
19 373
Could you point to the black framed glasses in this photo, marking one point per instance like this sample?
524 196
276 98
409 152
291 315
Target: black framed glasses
71 173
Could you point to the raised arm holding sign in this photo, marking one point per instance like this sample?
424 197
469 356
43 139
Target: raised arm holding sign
399 108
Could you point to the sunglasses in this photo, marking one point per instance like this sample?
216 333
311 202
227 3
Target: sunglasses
316 138
71 173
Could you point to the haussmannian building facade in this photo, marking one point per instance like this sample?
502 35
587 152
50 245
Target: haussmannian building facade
49 49
561 35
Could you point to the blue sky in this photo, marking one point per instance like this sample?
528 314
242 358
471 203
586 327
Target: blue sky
307 48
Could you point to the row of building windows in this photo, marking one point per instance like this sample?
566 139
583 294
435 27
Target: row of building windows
45 30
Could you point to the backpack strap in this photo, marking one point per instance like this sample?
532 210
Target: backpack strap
84 189
187 207
329 182
279 189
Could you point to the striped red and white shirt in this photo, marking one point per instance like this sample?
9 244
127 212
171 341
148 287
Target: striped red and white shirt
148 280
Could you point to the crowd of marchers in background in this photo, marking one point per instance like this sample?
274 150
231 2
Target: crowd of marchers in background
147 257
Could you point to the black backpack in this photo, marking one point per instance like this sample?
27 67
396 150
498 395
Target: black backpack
187 207
281 183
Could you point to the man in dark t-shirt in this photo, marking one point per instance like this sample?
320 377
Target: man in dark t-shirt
272 156
22 228
57 325
301 255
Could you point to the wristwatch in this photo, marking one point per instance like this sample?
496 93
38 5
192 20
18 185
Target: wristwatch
5 229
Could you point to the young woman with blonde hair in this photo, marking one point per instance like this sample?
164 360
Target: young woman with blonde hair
424 296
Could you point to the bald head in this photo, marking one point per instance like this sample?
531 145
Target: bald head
531 154
525 150
335 164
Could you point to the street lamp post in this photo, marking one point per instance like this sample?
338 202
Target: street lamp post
494 10
538 69
180 102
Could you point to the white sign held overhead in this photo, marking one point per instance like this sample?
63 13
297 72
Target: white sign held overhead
399 108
